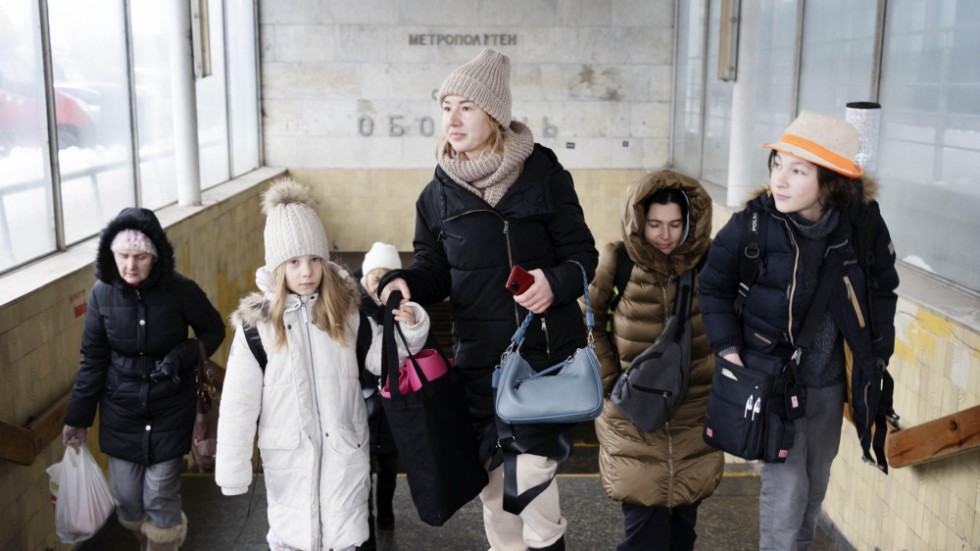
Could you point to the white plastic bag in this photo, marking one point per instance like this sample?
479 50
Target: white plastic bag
81 496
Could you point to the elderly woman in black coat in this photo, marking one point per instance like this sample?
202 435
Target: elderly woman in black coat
137 367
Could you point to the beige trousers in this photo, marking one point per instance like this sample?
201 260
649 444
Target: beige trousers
540 523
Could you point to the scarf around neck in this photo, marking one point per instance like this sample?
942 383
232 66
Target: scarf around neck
491 175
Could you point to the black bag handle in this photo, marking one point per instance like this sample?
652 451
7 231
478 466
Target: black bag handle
389 351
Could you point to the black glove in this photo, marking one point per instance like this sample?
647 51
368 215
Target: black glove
165 369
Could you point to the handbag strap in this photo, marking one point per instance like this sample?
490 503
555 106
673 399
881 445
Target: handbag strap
202 373
514 502
414 362
206 391
828 277
685 295
389 350
518 337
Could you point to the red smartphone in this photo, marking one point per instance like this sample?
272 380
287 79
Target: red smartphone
519 281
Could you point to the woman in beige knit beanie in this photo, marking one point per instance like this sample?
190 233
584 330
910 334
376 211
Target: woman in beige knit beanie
499 200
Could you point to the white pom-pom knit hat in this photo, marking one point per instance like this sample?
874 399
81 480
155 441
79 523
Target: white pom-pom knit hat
292 227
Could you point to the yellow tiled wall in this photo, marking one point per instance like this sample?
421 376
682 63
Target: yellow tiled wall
933 505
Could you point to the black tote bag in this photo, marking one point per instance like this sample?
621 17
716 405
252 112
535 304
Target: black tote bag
433 433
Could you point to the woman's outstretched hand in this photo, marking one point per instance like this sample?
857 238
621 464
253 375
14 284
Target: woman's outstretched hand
397 284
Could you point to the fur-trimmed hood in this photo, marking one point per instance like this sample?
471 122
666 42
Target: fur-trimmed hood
697 226
145 221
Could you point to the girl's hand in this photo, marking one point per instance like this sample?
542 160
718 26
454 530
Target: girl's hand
539 296
734 358
404 315
397 284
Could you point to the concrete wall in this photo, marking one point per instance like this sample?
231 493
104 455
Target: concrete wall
350 83
218 245
348 96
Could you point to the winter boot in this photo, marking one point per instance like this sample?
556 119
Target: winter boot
557 546
136 527
166 539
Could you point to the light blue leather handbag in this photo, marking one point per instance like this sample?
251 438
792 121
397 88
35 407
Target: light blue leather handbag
568 392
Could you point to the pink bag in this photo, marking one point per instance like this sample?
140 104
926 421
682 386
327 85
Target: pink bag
429 360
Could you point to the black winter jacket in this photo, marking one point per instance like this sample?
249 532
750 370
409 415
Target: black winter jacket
771 318
465 249
127 330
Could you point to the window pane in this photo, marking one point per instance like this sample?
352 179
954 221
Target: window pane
838 54
773 59
929 148
242 95
212 119
688 87
718 109
154 103
26 203
92 105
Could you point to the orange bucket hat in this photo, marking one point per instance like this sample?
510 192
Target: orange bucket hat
822 140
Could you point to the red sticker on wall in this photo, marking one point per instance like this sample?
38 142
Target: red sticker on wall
78 303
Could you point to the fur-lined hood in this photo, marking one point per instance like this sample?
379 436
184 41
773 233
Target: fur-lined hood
867 187
145 221
251 310
698 225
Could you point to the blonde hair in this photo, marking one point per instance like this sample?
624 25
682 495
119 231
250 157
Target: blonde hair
495 142
338 297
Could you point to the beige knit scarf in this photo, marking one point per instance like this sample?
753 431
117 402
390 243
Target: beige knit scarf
490 176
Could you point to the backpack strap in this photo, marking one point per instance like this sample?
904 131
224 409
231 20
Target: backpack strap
624 266
752 249
866 234
255 345
685 295
364 336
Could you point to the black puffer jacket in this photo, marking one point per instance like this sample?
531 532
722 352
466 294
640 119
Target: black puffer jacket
772 316
127 330
464 249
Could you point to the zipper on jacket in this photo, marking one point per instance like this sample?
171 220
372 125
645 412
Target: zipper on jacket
510 257
316 404
547 338
510 262
854 301
670 466
792 288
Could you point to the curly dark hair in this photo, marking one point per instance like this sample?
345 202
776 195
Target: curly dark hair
836 190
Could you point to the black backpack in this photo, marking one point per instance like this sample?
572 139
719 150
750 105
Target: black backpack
653 386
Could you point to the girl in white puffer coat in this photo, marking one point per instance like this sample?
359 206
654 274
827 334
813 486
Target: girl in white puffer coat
306 403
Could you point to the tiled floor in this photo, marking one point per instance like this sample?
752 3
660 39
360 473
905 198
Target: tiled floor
726 521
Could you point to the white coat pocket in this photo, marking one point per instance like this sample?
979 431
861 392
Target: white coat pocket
347 439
